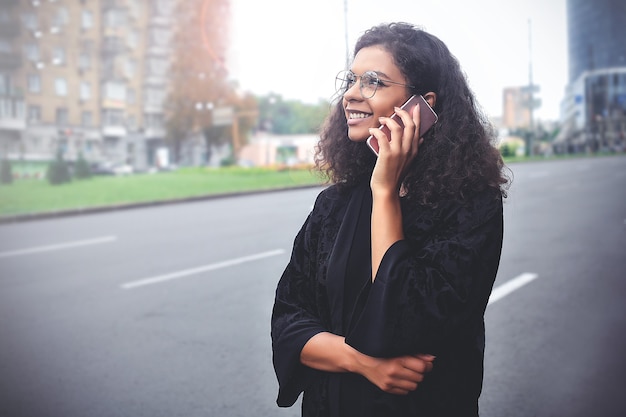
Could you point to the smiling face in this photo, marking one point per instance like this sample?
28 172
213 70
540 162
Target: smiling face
363 114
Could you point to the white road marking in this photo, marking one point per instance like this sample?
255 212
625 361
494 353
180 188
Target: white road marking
58 246
510 286
198 270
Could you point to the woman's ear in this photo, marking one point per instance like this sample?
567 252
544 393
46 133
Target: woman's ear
431 98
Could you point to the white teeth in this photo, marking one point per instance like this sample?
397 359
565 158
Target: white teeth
358 115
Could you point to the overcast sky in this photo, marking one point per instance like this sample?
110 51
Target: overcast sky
295 48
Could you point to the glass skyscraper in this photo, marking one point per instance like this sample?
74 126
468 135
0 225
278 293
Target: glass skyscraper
596 35
593 112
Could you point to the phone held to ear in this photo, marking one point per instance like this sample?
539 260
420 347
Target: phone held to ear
427 119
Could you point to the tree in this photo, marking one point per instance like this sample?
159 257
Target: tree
81 169
290 117
507 150
58 171
6 171
200 86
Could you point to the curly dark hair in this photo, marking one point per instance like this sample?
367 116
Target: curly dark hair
457 157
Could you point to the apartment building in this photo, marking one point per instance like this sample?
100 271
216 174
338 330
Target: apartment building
84 76
515 108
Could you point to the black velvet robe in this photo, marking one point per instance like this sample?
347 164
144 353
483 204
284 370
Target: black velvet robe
429 296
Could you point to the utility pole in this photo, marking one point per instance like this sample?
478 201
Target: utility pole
531 90
531 103
345 24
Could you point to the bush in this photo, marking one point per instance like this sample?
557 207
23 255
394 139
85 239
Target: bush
6 172
227 162
81 169
507 150
58 171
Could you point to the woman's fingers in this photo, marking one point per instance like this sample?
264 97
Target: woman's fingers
399 375
404 135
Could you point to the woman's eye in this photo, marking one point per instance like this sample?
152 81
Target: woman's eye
371 81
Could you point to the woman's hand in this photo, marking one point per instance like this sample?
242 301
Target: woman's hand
399 375
395 153
393 161
330 353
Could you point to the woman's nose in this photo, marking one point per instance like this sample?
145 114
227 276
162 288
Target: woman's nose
354 91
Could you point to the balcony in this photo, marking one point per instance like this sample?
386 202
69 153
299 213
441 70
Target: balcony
113 131
113 45
12 113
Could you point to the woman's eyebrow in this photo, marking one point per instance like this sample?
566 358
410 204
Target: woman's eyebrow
382 74
379 73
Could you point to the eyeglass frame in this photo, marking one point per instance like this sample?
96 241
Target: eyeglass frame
342 90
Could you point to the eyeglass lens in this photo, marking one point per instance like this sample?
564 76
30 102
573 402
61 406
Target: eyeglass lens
367 86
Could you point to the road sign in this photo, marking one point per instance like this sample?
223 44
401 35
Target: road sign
223 116
530 88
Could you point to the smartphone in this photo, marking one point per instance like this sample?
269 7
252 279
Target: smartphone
428 118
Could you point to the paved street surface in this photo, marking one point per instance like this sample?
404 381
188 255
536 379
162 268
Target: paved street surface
165 311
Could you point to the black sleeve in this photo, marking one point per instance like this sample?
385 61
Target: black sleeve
427 290
294 319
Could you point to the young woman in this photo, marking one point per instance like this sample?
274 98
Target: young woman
380 311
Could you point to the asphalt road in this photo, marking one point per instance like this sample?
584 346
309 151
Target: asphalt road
164 311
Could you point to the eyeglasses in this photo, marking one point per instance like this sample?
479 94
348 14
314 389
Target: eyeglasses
370 81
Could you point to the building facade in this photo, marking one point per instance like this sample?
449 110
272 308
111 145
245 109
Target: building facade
593 112
515 108
84 77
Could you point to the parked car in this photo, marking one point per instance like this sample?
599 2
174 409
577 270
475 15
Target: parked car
109 168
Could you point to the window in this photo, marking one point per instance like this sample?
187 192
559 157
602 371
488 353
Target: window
34 83
32 51
7 87
129 68
62 17
30 21
84 60
60 87
130 96
114 18
58 56
86 119
34 114
164 7
155 97
132 38
159 37
157 67
153 121
112 117
11 108
131 122
115 91
85 90
5 84
86 19
62 116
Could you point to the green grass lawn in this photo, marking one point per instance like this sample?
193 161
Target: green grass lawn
33 196
37 196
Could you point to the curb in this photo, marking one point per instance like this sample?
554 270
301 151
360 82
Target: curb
116 207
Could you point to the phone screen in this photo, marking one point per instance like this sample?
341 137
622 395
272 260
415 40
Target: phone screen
427 119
